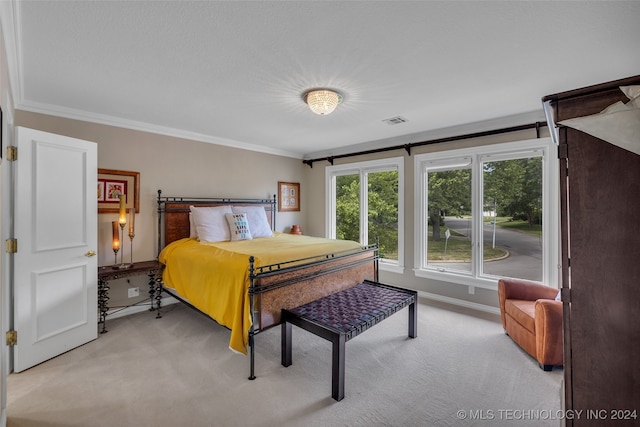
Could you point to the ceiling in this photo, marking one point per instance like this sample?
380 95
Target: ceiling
234 72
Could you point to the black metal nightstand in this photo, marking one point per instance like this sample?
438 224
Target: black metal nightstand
107 273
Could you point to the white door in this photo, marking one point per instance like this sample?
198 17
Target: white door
55 267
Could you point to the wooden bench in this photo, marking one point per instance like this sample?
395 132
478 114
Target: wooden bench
344 315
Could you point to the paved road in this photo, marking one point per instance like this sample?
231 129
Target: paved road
525 251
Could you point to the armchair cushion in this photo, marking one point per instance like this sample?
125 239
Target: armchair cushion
522 312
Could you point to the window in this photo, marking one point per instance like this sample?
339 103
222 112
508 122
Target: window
366 204
488 212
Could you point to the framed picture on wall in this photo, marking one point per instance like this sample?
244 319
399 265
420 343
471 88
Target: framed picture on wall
288 196
112 183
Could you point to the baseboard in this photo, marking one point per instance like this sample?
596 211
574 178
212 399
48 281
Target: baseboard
133 309
460 303
167 300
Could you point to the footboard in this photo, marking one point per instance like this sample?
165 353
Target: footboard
295 283
291 284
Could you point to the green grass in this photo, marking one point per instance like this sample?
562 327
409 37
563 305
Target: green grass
459 249
522 226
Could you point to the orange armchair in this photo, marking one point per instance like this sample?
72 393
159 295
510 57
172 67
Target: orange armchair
533 319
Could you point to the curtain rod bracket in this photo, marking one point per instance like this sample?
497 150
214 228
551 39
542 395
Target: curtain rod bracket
407 147
330 160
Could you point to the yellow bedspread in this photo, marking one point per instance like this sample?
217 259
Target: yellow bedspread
214 277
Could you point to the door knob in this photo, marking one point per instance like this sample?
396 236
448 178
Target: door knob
90 253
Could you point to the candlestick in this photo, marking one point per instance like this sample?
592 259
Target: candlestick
115 241
123 209
132 220
115 224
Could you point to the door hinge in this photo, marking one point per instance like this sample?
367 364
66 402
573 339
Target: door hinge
12 338
11 246
12 153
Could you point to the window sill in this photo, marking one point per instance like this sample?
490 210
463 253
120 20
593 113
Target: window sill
458 278
391 268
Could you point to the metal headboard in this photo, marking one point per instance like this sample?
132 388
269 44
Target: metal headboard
173 213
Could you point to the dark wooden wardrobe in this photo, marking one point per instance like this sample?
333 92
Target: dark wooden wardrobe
600 222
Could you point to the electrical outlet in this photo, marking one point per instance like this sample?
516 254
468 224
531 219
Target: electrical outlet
134 292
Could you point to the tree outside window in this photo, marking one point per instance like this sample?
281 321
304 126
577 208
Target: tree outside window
366 205
486 213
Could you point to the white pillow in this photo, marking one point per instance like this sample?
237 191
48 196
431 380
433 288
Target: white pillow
193 234
211 224
238 226
258 222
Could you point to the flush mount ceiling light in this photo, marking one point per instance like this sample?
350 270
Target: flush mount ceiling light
322 101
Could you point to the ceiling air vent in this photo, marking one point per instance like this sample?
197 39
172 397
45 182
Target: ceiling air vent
395 120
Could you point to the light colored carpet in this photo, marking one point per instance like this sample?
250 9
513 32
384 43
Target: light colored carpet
178 371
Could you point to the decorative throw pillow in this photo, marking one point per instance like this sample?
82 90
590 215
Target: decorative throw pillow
258 222
238 226
211 224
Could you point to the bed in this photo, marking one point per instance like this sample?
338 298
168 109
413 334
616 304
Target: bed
244 283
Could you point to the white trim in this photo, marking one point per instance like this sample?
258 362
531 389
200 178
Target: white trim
390 267
6 278
456 277
461 303
147 127
12 34
362 169
430 135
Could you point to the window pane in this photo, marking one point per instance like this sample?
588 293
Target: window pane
348 207
512 216
450 219
383 212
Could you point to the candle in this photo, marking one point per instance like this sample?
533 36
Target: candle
123 211
132 220
116 236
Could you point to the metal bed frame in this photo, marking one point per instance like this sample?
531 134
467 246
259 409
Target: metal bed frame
307 278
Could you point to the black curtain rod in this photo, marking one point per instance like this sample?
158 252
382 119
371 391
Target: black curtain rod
409 146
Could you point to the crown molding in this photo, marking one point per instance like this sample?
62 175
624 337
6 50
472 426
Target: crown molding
463 129
147 127
11 34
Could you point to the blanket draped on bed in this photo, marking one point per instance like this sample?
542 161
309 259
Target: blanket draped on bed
214 277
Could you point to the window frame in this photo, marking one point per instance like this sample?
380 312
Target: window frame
455 159
363 169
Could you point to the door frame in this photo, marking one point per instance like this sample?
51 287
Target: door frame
6 261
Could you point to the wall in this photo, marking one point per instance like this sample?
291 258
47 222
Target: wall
185 167
484 299
178 167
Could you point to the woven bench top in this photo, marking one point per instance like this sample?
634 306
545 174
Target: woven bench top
356 309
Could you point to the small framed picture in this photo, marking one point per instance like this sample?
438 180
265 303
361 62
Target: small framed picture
288 196
113 183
